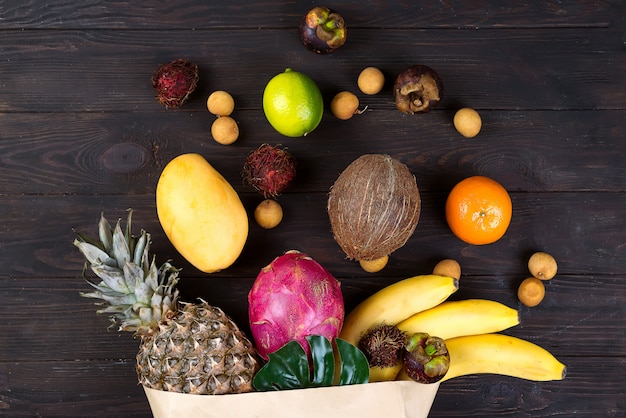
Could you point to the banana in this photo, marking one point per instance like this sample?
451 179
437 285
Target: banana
501 354
383 374
459 318
396 302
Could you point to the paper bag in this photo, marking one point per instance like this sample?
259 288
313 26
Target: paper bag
401 399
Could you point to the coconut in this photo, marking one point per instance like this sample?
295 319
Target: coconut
373 206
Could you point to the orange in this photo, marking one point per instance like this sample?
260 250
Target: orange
479 210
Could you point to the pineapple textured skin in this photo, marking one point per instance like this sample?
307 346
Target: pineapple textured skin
197 350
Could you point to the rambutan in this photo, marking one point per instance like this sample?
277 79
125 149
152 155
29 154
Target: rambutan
175 81
383 345
269 169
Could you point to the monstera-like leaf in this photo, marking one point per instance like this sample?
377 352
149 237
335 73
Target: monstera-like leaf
289 368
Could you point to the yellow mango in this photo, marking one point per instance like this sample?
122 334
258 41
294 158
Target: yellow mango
201 213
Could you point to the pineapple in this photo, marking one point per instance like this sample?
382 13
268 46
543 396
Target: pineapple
186 348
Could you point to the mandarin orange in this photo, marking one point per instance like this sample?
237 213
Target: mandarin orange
479 210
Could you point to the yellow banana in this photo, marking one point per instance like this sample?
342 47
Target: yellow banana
464 317
396 302
383 374
501 354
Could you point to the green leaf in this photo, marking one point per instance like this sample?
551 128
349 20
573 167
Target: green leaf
323 360
285 369
288 367
355 368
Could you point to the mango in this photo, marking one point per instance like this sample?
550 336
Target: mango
201 213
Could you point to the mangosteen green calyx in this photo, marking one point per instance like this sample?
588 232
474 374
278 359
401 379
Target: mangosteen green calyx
322 30
417 89
174 82
426 358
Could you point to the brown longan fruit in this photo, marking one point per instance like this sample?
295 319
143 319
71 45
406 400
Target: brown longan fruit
371 80
542 265
344 105
376 265
449 268
531 291
225 130
468 122
220 103
268 214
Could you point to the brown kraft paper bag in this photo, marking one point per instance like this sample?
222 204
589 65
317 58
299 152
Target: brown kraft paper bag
398 399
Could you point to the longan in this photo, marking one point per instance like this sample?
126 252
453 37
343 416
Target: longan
531 291
542 265
225 130
220 103
268 214
371 80
449 268
344 105
376 265
468 122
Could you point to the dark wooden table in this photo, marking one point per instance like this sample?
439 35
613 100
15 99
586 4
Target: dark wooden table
81 133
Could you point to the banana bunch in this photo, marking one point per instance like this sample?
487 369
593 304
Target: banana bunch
469 327
393 304
396 302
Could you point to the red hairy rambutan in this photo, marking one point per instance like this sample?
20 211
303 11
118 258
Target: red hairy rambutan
269 169
175 81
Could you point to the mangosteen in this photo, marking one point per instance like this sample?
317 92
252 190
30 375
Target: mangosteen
322 30
426 358
417 89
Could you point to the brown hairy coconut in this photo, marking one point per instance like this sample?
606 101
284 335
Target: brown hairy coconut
374 207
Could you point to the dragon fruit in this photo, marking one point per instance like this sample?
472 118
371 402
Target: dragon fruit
294 297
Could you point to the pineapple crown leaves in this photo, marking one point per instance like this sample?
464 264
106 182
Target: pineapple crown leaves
136 293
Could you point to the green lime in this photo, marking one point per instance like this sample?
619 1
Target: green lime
293 103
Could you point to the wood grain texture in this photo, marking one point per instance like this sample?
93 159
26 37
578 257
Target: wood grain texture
81 133
188 14
124 153
107 70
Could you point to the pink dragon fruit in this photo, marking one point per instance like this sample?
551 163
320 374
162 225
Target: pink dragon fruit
293 297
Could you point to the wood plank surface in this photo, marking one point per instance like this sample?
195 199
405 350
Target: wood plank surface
576 150
577 68
81 133
270 14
